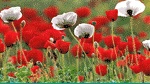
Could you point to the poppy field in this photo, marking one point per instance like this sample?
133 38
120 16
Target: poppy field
74 41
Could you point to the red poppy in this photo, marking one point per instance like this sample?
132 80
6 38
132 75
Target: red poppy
76 51
35 55
29 13
13 59
146 19
62 46
142 34
122 45
109 55
108 40
81 78
133 59
101 69
10 38
51 11
137 44
34 69
112 15
50 45
11 74
17 23
37 42
83 11
100 21
88 49
145 67
121 63
4 28
2 46
135 68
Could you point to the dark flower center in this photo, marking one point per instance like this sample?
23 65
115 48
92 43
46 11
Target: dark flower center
86 35
66 26
130 12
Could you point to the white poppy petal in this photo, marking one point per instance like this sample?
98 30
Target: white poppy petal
56 27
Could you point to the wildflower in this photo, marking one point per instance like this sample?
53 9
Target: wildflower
81 78
84 30
83 11
51 11
2 46
13 59
100 21
66 20
146 44
29 13
101 69
135 68
10 38
35 69
11 14
76 51
145 67
146 19
88 49
112 15
35 55
142 34
51 71
4 28
11 74
62 46
130 8
108 40
121 63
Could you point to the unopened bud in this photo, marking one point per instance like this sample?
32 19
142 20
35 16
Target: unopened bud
51 40
23 23
94 23
96 45
93 54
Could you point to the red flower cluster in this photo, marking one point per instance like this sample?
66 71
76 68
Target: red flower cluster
83 11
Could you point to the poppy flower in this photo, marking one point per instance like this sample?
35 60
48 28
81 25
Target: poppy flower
100 21
81 78
145 67
130 44
17 23
130 8
142 34
13 59
11 74
84 30
35 55
121 63
2 46
76 51
62 46
112 15
146 19
122 45
88 49
108 55
135 68
34 69
50 45
51 11
133 59
66 20
4 28
10 38
146 44
37 42
11 14
83 11
108 40
29 13
101 69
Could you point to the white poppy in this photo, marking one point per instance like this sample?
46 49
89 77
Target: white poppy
66 20
11 14
146 44
130 8
84 30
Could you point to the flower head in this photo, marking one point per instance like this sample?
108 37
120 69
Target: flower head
84 30
83 11
146 44
66 20
112 15
101 69
11 14
130 8
51 11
